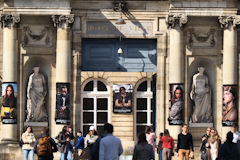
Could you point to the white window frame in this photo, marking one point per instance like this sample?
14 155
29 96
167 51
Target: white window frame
143 94
95 94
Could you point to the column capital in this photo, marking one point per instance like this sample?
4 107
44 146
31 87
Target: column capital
62 21
9 20
176 19
226 20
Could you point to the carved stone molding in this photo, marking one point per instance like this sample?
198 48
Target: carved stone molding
63 21
9 20
201 38
37 35
176 19
225 20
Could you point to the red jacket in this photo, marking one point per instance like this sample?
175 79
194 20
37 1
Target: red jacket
166 143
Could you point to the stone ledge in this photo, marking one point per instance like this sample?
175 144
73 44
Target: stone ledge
201 125
36 124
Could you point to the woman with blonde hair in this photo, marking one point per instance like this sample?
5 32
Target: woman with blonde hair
213 144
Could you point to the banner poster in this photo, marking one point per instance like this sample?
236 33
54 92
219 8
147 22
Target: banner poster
229 108
9 103
122 98
176 104
63 106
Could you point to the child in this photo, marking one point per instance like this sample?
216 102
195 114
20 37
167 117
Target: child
159 147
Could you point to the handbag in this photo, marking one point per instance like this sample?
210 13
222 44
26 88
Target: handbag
204 155
84 154
21 142
191 155
172 152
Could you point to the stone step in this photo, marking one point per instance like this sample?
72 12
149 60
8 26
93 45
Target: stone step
123 129
123 118
122 124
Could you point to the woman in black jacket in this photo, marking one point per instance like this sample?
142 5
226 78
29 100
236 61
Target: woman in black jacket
143 150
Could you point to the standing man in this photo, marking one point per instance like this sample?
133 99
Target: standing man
45 146
203 148
236 134
80 144
110 146
185 143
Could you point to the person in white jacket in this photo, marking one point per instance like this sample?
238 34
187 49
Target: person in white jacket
28 143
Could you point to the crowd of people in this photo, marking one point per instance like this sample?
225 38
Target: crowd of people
109 147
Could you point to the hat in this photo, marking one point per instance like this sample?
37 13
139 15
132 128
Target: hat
91 128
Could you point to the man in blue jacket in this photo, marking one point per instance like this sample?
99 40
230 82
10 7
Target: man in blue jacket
80 144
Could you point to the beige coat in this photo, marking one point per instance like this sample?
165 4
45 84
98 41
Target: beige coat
90 139
28 140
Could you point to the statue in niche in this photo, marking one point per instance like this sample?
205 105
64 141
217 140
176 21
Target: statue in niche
36 94
201 95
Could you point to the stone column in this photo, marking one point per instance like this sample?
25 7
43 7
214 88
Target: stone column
230 58
176 59
10 67
63 57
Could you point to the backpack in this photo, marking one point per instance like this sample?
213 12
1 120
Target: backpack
44 147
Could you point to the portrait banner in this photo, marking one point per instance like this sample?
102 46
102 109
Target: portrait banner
229 108
63 105
122 98
176 104
9 103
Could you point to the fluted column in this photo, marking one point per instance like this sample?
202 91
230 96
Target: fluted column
10 67
63 48
230 58
63 60
176 61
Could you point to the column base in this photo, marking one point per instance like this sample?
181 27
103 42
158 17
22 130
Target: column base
10 150
9 132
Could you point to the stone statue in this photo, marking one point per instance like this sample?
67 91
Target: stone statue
201 95
36 94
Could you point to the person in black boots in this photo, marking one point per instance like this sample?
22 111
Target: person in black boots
203 149
185 144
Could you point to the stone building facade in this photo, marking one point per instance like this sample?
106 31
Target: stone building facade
149 45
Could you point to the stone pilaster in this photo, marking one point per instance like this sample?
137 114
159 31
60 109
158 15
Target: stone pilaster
230 73
63 48
160 88
229 49
176 59
10 67
63 57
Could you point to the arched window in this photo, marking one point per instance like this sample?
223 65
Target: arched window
144 107
95 98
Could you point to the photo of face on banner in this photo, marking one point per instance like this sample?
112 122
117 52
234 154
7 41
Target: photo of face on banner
176 104
230 113
122 98
63 103
9 103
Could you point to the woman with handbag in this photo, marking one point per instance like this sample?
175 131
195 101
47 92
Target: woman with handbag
168 145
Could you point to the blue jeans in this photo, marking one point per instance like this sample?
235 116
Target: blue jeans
28 152
160 155
69 155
